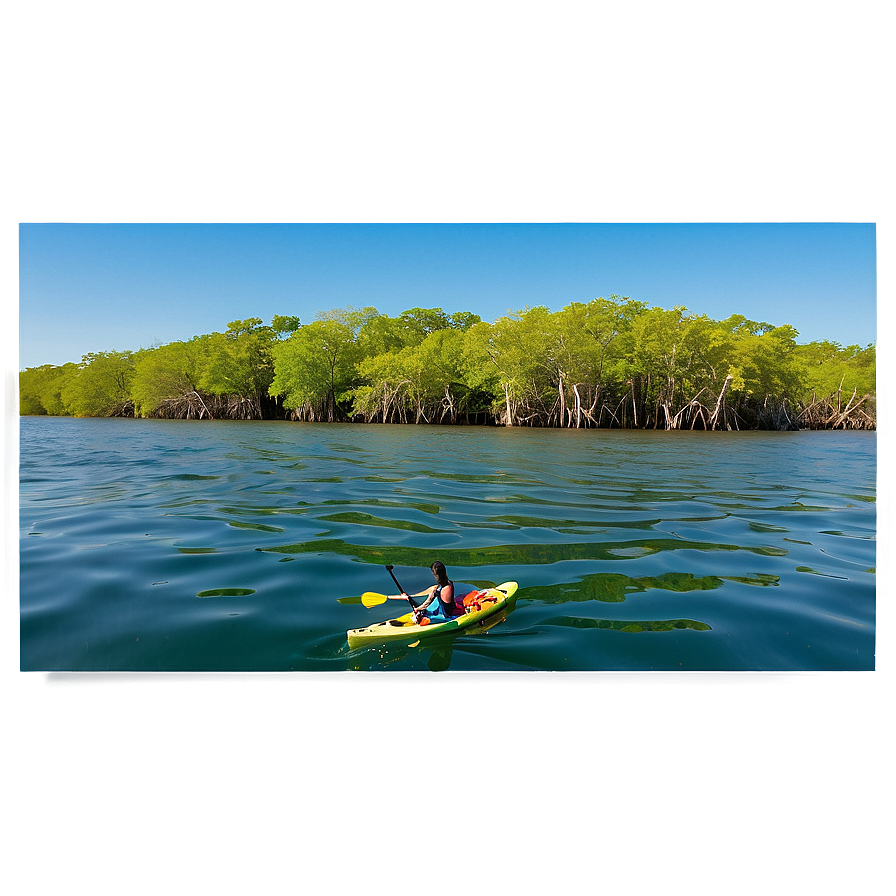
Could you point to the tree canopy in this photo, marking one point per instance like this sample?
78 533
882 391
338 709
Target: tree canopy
610 362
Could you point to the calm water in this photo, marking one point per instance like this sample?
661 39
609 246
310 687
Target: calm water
168 545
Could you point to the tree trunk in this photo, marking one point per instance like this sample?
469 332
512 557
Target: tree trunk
714 418
207 411
508 419
562 398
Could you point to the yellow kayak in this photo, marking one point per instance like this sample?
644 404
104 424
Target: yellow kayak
483 605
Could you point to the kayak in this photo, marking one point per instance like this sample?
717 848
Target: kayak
482 606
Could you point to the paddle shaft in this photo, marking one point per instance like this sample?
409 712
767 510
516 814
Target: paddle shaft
401 590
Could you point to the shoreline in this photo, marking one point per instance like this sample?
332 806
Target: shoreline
457 425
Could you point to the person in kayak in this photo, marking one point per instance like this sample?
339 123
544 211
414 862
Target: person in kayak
442 593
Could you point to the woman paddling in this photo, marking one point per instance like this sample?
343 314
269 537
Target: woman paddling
442 592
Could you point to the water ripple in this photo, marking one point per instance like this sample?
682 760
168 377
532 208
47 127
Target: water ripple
720 551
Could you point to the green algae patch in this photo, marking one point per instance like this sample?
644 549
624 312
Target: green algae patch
615 587
425 506
767 551
801 508
533 522
506 554
679 582
254 510
815 572
365 519
841 534
258 527
481 478
226 592
763 580
629 627
505 526
765 527
633 551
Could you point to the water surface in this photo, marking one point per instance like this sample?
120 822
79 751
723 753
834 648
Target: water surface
176 545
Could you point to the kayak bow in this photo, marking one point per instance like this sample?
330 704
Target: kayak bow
490 602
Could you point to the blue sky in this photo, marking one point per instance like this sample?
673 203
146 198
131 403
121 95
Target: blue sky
96 287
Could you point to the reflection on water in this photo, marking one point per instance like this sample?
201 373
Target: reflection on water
226 592
194 545
567 525
620 625
365 519
614 587
509 554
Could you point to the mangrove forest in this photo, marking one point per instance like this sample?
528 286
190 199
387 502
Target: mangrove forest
606 363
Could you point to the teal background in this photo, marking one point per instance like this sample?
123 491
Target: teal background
618 783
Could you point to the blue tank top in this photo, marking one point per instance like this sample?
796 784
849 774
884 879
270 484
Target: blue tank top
448 609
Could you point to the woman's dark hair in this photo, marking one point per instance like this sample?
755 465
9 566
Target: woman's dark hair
440 572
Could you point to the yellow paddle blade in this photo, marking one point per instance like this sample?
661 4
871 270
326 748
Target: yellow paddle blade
372 598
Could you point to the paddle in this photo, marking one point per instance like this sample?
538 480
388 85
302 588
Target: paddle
413 605
373 598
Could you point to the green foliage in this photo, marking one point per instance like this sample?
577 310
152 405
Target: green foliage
463 320
239 361
418 323
419 381
314 369
739 325
515 346
592 331
675 363
221 374
100 387
828 369
766 365
379 334
169 373
284 325
384 379
40 390
607 362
